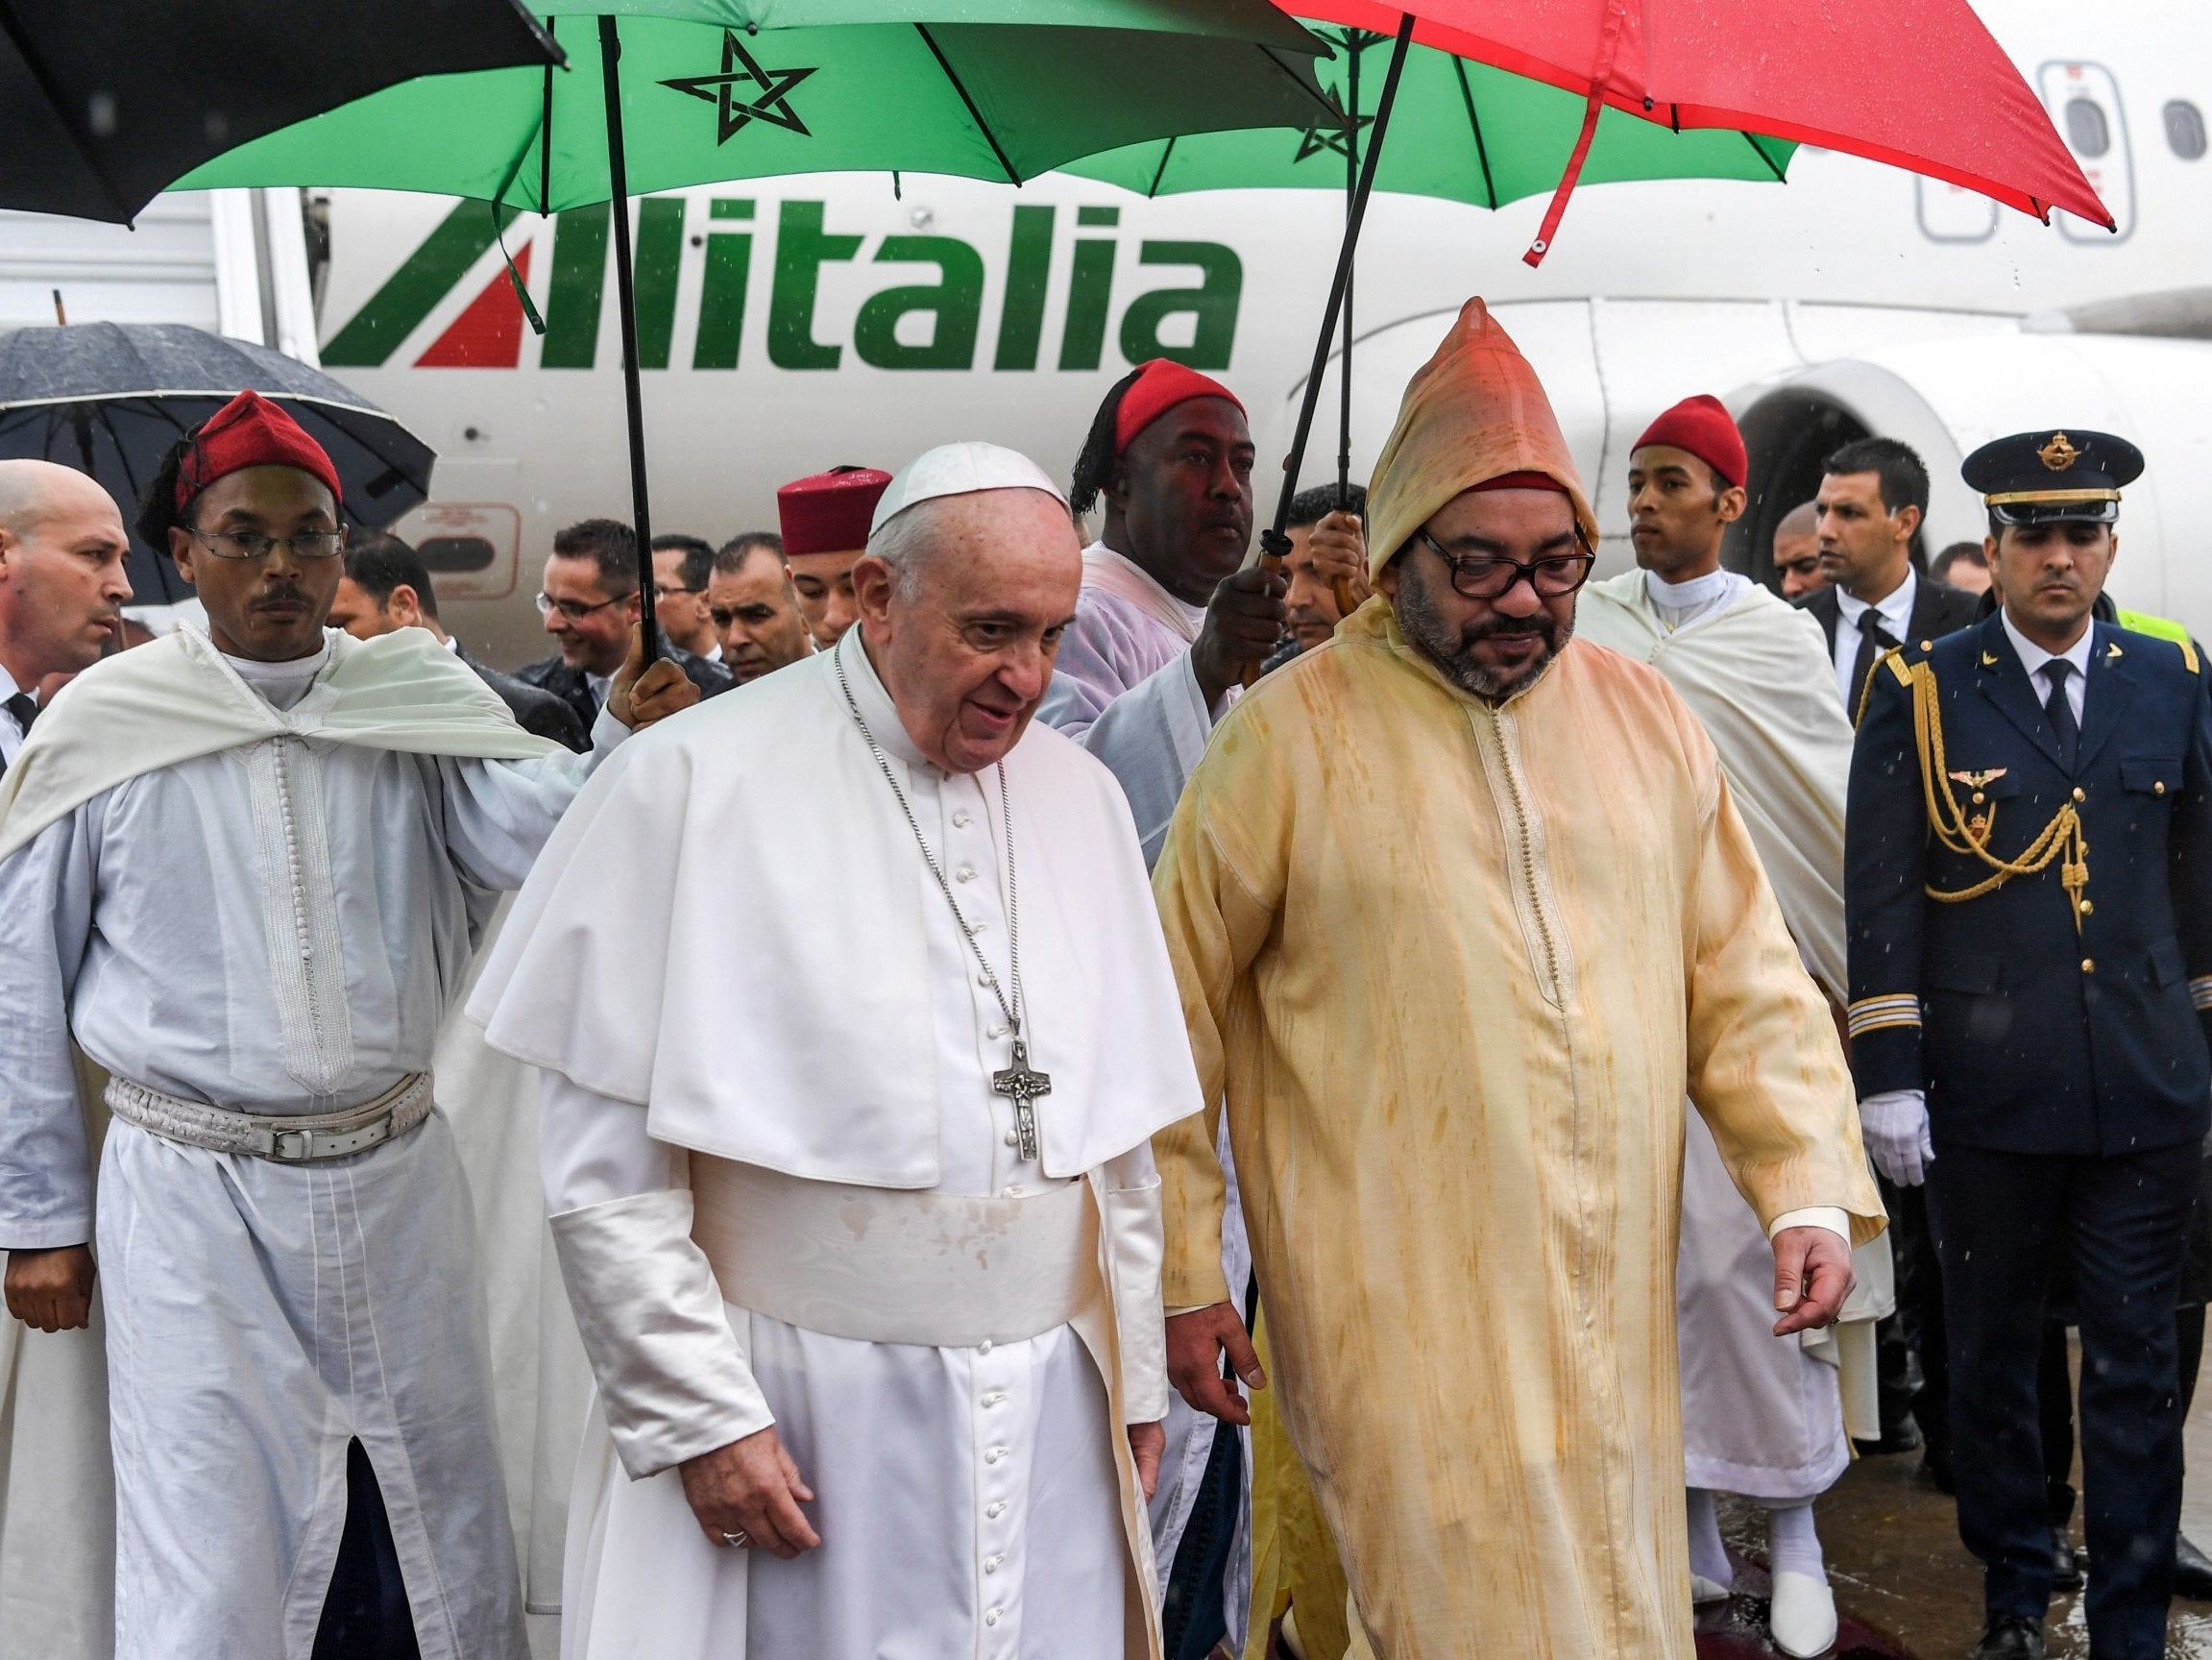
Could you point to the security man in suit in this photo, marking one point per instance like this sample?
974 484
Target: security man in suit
1867 516
2028 890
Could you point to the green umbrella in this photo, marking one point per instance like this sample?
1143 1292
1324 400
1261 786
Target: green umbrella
716 90
699 92
1465 133
1477 134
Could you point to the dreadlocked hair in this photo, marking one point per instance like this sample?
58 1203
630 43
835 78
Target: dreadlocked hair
1095 465
158 510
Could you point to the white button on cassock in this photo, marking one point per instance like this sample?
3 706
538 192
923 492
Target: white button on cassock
965 873
992 1454
996 1508
990 1617
963 818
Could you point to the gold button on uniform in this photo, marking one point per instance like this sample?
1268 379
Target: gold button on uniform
1978 797
2088 908
2088 964
2160 787
2080 793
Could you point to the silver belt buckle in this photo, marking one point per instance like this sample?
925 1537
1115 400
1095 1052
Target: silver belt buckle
291 1146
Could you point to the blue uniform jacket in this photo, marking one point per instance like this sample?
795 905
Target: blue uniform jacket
2032 1035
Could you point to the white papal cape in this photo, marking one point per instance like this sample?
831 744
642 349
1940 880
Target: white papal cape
257 887
785 1192
1762 1415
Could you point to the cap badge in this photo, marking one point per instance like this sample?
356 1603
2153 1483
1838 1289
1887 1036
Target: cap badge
2060 453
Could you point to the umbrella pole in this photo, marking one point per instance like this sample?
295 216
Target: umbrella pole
1274 542
1352 44
626 305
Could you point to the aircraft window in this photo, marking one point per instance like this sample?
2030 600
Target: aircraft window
2086 128
2185 130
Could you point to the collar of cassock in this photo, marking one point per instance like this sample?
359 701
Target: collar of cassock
873 699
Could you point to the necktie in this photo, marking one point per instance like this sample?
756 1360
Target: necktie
2059 709
25 709
1873 641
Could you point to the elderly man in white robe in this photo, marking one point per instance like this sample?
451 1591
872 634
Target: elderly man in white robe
244 869
865 1246
1760 1415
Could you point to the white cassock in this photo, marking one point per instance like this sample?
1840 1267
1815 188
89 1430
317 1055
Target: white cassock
785 1191
1762 1416
256 888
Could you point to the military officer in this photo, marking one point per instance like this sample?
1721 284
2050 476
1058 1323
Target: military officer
2029 891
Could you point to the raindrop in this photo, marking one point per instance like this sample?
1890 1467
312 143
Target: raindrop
99 115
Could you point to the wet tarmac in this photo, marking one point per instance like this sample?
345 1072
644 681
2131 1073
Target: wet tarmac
1906 1589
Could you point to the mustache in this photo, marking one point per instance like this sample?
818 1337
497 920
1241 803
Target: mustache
1540 625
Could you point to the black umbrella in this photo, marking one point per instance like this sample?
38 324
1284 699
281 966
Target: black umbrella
109 398
109 103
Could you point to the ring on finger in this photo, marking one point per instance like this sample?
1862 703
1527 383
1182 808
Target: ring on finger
739 1539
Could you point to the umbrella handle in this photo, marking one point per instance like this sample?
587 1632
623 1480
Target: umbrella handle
1275 541
626 305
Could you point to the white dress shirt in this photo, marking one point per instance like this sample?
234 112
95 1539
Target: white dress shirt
10 734
1896 614
2035 660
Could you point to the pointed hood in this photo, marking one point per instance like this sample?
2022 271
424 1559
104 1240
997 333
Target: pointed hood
1475 413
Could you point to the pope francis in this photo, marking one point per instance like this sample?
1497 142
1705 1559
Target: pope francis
1461 911
855 1200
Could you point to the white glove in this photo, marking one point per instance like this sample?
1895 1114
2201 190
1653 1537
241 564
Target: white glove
1895 1128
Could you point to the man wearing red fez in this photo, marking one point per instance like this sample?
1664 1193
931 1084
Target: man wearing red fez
244 869
1457 903
1168 620
825 519
1762 1419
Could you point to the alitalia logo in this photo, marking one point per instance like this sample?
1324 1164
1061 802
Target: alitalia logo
1199 318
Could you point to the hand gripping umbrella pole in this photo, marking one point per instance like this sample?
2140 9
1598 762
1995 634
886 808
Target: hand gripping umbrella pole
626 305
1275 541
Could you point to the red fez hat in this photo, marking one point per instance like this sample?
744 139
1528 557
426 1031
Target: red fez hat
1158 387
250 431
1522 481
1703 426
828 512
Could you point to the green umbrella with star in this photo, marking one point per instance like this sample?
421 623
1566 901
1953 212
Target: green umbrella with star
1467 132
659 94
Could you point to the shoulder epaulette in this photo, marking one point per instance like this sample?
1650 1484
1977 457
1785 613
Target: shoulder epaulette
2188 655
1894 661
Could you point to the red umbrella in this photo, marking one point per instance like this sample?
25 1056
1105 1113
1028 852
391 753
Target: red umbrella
1836 73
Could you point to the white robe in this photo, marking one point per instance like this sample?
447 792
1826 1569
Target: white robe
277 927
969 1496
1123 687
1762 1415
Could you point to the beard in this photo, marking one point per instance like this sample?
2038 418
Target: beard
1452 645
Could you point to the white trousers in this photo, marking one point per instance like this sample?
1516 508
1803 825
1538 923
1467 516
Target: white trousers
258 1317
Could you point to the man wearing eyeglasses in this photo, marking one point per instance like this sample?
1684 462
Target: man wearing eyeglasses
1797 553
590 604
1462 909
245 869
680 567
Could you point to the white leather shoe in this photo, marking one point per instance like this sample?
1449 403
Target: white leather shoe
1802 1619
1703 1591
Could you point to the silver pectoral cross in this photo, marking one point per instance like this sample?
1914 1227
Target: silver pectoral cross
1022 1083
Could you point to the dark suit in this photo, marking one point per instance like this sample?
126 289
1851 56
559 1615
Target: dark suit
1937 609
535 709
569 685
2065 1067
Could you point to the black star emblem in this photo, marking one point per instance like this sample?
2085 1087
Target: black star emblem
1327 141
738 67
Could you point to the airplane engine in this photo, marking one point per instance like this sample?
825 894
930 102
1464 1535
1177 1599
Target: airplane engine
1946 398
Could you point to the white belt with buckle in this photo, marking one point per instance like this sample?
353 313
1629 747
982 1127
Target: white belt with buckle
281 1138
